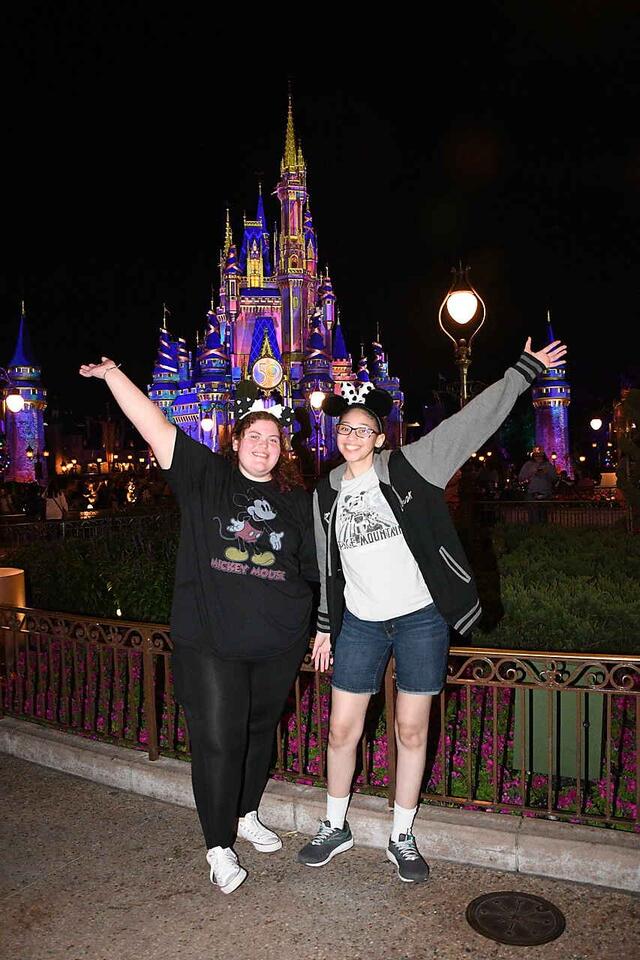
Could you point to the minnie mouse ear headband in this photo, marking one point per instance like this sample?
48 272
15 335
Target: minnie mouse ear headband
376 402
250 400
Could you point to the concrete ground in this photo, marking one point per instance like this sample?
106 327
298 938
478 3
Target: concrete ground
87 871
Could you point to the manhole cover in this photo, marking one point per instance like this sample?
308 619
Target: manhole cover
517 918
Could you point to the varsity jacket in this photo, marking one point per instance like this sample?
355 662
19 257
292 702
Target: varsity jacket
412 480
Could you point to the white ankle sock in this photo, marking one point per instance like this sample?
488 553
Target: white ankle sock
337 810
402 821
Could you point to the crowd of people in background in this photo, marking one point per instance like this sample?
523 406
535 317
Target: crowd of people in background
71 497
489 478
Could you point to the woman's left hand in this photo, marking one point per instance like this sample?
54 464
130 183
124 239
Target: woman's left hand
321 656
551 356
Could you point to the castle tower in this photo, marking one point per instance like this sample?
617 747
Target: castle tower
296 271
164 386
213 383
381 379
551 396
25 430
341 361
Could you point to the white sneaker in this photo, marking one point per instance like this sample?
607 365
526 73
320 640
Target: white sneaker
226 872
264 840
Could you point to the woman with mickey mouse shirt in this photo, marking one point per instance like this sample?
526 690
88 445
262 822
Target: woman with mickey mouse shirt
240 618
393 580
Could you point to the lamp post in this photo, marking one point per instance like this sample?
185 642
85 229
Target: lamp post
596 424
316 399
461 314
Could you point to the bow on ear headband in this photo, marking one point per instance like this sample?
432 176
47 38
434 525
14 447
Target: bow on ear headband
376 402
248 400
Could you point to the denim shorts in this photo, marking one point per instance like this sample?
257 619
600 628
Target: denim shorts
419 641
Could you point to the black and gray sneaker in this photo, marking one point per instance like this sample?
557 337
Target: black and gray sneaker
328 842
404 853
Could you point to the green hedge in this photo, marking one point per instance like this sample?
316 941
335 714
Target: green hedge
542 587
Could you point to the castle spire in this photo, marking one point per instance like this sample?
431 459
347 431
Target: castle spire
228 237
290 158
165 313
23 353
260 215
549 327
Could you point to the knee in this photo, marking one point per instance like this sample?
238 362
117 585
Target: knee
410 735
342 736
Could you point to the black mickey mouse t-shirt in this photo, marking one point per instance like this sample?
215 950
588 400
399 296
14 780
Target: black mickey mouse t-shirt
245 555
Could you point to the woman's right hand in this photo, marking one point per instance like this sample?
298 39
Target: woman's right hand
97 369
321 656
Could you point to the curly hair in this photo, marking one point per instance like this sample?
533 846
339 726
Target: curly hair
286 472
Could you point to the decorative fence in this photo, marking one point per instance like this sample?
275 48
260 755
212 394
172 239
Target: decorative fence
537 734
563 513
89 528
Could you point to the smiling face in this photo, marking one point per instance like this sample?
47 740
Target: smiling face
358 451
258 446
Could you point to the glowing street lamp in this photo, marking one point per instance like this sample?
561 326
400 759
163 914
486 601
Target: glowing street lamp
461 314
316 399
596 423
14 401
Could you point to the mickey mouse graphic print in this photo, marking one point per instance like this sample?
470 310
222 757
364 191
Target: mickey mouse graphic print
382 577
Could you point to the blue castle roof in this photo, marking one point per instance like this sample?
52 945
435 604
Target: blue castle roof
340 351
23 355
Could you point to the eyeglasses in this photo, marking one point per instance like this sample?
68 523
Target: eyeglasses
363 433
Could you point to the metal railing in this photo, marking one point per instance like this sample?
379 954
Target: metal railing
562 513
533 733
91 528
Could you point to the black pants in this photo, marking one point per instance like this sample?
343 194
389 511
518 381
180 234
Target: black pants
232 708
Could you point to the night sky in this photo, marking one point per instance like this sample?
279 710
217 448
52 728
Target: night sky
510 140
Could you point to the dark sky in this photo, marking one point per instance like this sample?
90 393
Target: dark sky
510 140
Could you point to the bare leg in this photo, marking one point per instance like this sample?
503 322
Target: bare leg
412 727
348 711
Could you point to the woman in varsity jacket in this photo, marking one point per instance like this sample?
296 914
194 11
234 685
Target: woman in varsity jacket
394 578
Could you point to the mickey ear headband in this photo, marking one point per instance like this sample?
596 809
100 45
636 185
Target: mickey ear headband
249 400
376 402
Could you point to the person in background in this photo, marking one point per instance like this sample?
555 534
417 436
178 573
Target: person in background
538 475
55 501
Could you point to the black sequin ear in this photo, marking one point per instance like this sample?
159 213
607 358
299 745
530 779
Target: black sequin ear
379 401
334 405
249 389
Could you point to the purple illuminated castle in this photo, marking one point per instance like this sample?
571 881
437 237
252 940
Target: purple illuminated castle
25 429
551 395
276 321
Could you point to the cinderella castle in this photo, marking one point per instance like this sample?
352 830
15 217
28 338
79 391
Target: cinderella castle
276 322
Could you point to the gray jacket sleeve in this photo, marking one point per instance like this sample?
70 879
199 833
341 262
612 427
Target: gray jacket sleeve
440 453
323 625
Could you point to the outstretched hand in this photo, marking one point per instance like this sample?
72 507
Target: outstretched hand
97 369
550 356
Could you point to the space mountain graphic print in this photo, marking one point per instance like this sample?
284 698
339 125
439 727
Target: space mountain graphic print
365 517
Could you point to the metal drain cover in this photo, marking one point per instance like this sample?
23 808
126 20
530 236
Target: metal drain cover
516 918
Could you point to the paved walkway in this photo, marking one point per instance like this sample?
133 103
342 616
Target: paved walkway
91 872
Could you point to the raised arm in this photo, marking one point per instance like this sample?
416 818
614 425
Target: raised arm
143 414
441 452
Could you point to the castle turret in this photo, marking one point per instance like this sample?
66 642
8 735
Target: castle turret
341 360
255 262
213 383
551 396
164 385
25 429
381 379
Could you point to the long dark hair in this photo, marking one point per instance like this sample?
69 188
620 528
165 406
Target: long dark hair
286 472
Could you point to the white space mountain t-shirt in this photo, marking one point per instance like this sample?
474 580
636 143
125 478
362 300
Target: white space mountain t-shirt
383 580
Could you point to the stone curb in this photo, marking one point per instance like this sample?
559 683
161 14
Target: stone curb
520 845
